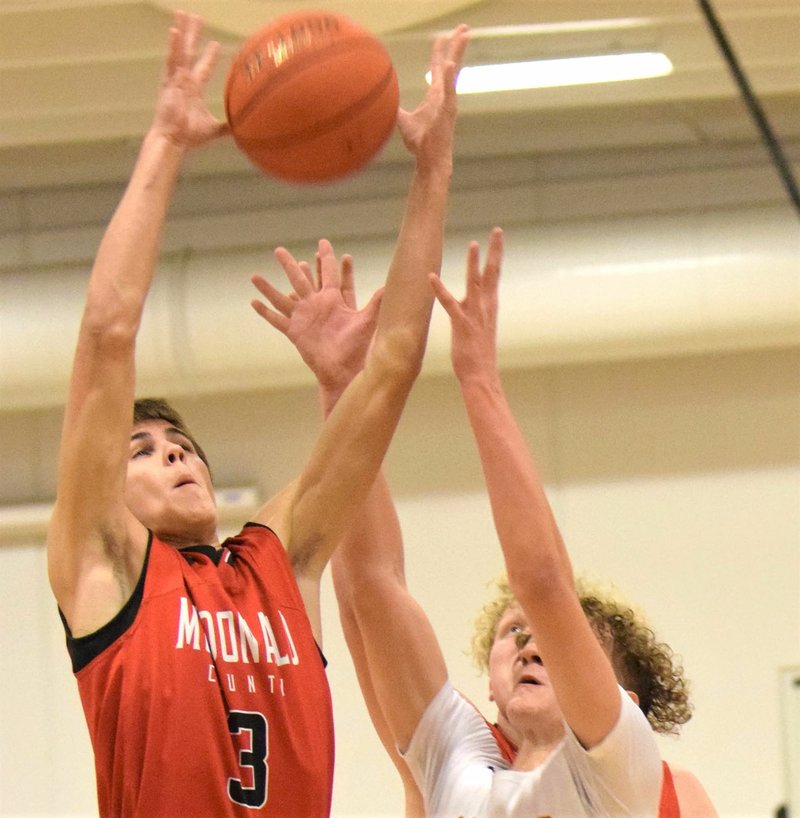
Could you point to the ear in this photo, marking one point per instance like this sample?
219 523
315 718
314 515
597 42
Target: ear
633 696
491 692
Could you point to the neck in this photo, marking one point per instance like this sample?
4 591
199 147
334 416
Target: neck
179 541
532 754
534 742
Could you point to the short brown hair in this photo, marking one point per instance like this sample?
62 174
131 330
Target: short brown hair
160 409
642 664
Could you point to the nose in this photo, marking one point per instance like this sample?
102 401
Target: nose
174 453
527 648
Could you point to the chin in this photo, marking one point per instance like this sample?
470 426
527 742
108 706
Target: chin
538 700
198 528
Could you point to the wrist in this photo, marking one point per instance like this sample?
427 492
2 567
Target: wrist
480 379
157 165
439 168
160 143
329 396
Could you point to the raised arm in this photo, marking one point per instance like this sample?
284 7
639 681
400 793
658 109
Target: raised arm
313 514
320 318
95 547
332 337
537 563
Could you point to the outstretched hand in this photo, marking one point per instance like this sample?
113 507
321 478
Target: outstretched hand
473 320
320 316
427 131
181 114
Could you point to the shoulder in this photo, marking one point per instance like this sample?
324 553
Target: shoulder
261 542
453 755
452 723
276 513
630 729
692 797
256 533
608 763
93 572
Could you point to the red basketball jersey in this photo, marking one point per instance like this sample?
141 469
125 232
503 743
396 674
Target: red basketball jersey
206 696
667 808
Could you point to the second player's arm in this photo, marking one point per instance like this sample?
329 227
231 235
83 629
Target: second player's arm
539 570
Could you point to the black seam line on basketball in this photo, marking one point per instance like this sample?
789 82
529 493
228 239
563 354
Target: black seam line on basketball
325 125
301 63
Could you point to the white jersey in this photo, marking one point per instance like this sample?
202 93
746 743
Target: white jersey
461 773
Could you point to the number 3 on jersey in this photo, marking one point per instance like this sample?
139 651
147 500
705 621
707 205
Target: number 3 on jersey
253 729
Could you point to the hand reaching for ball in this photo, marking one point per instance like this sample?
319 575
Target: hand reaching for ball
182 115
427 131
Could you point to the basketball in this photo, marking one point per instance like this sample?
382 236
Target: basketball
311 97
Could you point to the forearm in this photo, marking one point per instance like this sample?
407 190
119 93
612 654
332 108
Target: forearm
360 425
428 132
128 253
408 298
98 414
529 537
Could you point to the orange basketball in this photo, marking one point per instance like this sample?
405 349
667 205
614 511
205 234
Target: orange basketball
311 97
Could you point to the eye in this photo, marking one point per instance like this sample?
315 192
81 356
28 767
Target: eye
143 452
184 443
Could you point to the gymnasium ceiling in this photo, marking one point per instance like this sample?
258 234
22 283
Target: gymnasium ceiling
77 77
77 84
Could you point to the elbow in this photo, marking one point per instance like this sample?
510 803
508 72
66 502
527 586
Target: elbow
398 358
361 591
102 330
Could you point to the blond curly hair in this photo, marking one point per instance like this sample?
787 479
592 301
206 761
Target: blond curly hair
642 664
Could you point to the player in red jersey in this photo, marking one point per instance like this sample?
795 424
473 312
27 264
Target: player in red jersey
197 661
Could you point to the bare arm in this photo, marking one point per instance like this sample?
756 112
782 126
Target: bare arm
314 514
405 667
537 563
95 547
332 337
414 805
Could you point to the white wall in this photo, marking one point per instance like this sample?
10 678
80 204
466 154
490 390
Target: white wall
679 479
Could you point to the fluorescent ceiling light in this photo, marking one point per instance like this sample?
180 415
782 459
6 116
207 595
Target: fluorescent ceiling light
566 27
516 76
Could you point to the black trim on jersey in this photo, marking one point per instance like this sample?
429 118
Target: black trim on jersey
250 523
83 649
214 554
